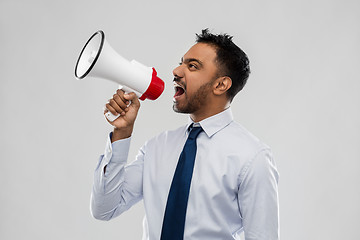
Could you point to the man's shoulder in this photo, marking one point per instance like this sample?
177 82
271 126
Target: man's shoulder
240 136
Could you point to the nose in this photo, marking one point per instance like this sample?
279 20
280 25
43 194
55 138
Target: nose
178 72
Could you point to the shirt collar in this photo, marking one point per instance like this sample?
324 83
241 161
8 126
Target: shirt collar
215 123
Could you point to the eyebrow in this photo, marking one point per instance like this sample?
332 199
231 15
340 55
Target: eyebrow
188 60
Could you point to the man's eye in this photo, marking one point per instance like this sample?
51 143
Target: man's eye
192 66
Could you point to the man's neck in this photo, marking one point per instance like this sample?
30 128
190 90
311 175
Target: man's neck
201 115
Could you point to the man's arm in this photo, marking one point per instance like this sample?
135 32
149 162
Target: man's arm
117 186
258 198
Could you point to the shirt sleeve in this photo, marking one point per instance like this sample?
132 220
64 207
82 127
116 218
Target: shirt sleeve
117 185
258 198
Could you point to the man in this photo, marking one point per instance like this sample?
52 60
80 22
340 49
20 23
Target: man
233 178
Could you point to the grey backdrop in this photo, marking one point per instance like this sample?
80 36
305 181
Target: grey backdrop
301 99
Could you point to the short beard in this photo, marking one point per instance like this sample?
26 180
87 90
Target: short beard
196 101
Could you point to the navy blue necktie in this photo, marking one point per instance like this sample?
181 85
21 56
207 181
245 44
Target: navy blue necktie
175 212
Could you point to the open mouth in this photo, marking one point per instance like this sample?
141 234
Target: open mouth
179 90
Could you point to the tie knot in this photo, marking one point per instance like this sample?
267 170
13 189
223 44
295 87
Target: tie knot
194 132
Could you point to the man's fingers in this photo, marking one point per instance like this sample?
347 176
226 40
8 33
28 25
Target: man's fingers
111 109
121 101
121 94
115 106
118 104
133 98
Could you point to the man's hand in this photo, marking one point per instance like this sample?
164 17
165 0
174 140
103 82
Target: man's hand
127 105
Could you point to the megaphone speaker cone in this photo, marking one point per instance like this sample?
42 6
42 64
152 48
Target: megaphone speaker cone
89 55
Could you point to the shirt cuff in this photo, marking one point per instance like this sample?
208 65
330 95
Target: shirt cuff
117 151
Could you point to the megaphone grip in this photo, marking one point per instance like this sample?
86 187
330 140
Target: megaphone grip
111 117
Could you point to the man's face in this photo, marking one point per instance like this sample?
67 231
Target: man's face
194 79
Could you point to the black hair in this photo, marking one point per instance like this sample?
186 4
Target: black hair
232 61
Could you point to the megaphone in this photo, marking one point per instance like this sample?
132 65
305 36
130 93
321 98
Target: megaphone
98 59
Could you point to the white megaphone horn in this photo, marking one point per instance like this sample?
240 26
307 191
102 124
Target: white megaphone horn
98 59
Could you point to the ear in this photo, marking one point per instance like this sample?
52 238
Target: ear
221 85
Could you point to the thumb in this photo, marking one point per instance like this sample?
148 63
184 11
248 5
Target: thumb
133 98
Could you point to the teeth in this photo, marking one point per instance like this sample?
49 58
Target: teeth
177 85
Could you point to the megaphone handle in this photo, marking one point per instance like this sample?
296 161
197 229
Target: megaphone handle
111 117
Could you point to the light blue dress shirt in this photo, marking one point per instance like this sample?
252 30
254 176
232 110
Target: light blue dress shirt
233 188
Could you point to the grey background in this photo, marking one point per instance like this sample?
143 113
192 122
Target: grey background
301 99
